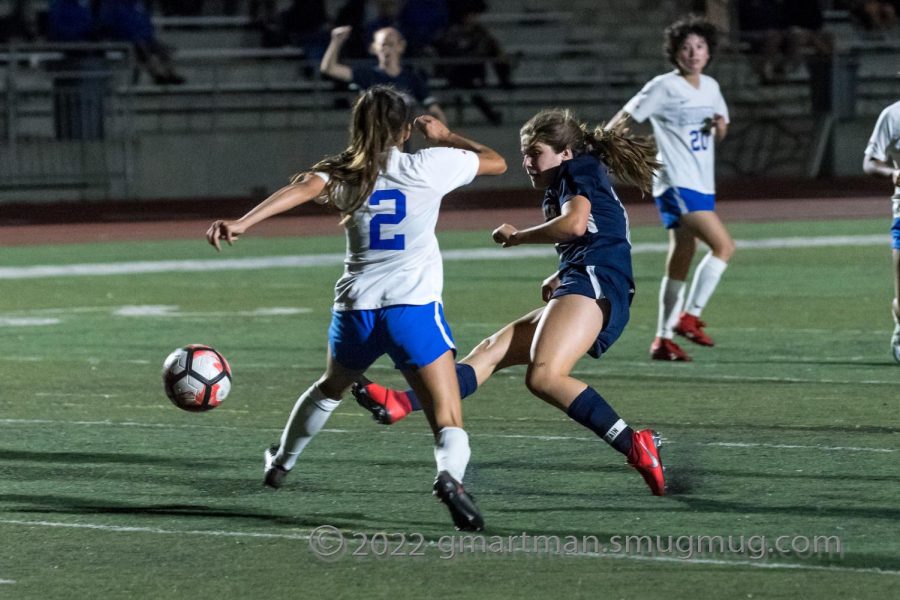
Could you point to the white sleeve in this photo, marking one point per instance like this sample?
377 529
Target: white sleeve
446 169
881 138
646 102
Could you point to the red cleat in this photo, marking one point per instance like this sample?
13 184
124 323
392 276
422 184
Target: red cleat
666 349
691 327
386 405
644 457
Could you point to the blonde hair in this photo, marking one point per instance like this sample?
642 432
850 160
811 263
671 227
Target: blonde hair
381 118
632 159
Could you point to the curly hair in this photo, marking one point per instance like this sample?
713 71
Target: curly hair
677 32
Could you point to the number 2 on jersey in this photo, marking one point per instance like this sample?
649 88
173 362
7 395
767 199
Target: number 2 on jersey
398 241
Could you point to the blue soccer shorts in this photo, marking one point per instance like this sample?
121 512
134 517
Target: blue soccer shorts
600 285
412 335
678 201
895 234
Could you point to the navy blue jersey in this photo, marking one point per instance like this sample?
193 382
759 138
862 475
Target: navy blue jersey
408 83
606 244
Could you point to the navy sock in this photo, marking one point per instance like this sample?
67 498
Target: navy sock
468 383
595 413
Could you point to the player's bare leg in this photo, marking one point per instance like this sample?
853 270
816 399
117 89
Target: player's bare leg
707 227
308 417
682 245
438 391
568 328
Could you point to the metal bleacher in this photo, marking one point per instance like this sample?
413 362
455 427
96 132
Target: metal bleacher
234 85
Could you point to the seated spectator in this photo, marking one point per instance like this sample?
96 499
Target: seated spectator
20 24
422 22
783 35
875 15
468 38
129 21
388 47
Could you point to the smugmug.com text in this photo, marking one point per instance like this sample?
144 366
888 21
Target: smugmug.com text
329 543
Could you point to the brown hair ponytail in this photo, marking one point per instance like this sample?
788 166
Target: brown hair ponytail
380 119
630 158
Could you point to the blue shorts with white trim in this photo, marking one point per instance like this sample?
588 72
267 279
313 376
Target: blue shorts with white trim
895 234
600 285
412 335
677 201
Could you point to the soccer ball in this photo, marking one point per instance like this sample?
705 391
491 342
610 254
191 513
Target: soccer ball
196 378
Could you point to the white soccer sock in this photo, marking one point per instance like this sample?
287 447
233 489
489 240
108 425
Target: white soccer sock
706 278
309 415
451 451
671 297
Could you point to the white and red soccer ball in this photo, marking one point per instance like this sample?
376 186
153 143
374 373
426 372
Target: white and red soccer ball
196 378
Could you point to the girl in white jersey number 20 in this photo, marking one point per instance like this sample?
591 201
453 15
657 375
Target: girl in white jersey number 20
689 116
388 300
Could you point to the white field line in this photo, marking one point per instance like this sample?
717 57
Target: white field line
507 436
6 581
320 260
305 537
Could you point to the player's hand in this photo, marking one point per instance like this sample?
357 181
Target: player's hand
548 286
340 34
432 128
223 230
716 121
506 235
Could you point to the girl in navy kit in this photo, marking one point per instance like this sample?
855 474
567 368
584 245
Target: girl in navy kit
588 298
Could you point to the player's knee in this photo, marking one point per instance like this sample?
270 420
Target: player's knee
724 250
541 381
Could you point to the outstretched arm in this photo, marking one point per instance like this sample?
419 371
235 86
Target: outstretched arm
330 65
283 200
489 161
620 117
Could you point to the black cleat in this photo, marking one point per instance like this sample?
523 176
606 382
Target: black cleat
274 474
461 506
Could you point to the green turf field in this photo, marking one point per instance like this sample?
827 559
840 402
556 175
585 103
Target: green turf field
789 427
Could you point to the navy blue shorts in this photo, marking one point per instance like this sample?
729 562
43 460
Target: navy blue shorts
895 234
413 336
600 285
675 202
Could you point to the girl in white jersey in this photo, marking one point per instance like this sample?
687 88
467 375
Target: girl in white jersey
883 160
689 116
389 299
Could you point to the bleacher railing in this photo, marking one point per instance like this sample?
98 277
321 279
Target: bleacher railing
65 120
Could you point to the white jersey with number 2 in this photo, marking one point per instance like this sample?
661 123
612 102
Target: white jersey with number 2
392 251
677 110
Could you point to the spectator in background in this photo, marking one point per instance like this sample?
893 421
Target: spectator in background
388 47
468 38
875 15
130 21
81 78
422 22
19 24
783 35
305 25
